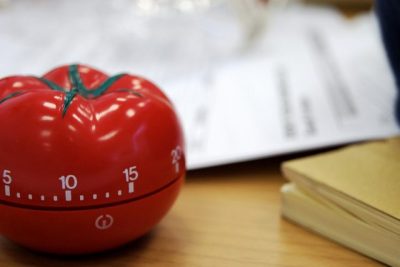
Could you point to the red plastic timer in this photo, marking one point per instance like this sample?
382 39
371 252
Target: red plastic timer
87 162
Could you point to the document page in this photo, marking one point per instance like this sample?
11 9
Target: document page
314 79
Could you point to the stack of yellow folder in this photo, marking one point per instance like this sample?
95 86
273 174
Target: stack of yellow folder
351 195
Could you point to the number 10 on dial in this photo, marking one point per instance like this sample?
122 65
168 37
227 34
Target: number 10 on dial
68 183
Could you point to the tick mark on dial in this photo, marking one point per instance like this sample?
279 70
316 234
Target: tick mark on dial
7 190
131 188
68 195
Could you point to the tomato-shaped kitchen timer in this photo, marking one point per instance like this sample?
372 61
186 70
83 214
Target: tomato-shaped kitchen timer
87 162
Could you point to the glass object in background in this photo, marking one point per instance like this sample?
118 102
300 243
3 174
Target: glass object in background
191 36
161 39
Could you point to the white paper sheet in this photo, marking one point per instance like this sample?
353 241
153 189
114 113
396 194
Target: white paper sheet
314 80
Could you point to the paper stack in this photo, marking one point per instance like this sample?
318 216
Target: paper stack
351 196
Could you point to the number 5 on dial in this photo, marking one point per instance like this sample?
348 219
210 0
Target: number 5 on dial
7 179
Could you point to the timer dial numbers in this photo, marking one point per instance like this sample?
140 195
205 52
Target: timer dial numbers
7 180
176 155
131 175
69 184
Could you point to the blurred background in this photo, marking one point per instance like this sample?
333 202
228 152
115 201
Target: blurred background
162 39
249 78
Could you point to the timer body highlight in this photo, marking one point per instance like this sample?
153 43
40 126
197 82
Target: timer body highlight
87 162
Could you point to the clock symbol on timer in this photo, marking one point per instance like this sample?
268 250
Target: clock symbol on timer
104 222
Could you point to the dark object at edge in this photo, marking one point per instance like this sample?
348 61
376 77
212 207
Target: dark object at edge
389 17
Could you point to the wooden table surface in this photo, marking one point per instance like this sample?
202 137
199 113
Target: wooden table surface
225 216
